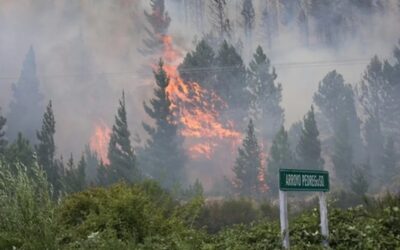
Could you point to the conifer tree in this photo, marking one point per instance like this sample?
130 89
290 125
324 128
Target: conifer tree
375 141
26 106
74 179
389 161
20 151
202 57
46 148
248 165
3 140
342 157
230 84
102 175
309 147
120 151
219 19
280 156
163 158
248 14
92 163
336 101
159 21
266 95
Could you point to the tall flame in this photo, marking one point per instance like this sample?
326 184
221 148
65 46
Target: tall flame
99 141
196 109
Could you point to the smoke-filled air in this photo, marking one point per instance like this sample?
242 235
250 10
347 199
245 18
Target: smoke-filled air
166 124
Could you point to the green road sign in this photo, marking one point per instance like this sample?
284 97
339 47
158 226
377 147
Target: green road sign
303 180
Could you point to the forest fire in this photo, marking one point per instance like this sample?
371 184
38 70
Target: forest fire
196 109
99 141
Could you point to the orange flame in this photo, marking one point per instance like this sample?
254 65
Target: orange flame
99 141
196 109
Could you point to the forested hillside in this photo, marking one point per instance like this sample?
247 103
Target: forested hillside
163 124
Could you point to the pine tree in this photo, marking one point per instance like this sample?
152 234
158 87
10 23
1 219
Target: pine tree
26 105
92 163
336 101
374 139
202 57
389 161
266 95
248 14
280 156
294 134
120 152
102 175
159 21
219 19
163 158
342 157
20 151
270 22
74 180
3 140
230 84
309 147
248 165
46 148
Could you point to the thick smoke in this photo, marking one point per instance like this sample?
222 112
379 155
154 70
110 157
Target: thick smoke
87 53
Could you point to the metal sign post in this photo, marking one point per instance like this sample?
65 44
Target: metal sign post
303 180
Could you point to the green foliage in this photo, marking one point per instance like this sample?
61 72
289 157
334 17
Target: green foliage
230 85
74 177
216 215
342 157
247 167
120 152
309 147
163 157
280 156
3 140
335 99
26 209
132 216
266 95
202 57
46 149
20 152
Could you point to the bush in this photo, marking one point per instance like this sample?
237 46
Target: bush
136 216
26 210
219 214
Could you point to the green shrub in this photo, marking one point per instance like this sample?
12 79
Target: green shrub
26 209
135 216
219 214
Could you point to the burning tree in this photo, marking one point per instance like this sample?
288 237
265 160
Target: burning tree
164 157
159 21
